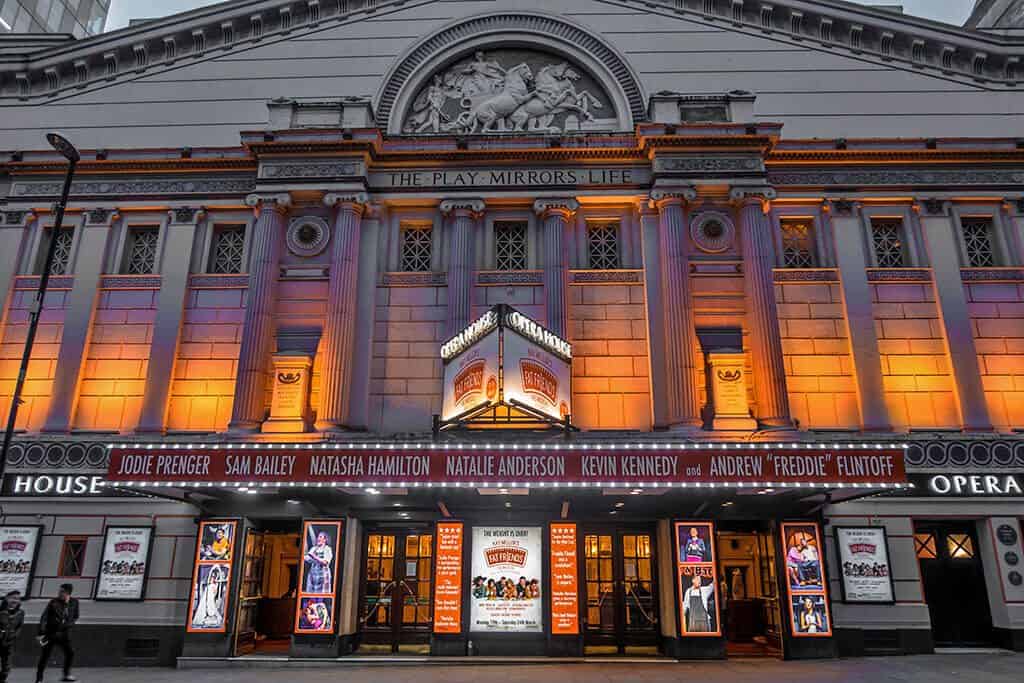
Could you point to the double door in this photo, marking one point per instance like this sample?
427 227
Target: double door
396 607
620 591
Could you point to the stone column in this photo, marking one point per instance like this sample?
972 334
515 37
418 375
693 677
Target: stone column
683 404
339 326
170 312
762 314
555 215
81 308
462 216
247 412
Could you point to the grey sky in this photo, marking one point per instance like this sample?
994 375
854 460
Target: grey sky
950 11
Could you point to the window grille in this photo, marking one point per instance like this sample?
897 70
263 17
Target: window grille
510 246
797 244
603 246
61 256
72 556
417 248
924 546
960 546
978 242
140 252
228 250
887 240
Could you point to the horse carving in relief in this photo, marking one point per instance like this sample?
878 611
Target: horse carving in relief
554 93
489 114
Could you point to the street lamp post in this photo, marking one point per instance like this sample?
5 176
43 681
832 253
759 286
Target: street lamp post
68 151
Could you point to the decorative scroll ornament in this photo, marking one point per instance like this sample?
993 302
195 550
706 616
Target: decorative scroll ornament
506 91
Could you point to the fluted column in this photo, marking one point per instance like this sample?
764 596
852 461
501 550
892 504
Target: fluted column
683 404
462 215
762 314
339 326
555 215
247 413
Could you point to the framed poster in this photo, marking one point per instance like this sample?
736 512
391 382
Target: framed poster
318 577
19 547
865 571
211 579
565 593
506 588
697 579
124 566
448 578
806 584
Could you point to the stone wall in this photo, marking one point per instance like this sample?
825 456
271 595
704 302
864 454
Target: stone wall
997 321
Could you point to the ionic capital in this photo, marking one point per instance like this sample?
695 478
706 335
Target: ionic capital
565 207
16 218
746 196
841 207
101 216
673 197
355 201
269 202
185 215
932 206
473 208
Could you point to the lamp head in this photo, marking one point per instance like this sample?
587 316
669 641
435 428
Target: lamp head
63 146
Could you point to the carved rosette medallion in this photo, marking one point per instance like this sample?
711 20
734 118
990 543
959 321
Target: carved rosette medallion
307 236
713 232
510 90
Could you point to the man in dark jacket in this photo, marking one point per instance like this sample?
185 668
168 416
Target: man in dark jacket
55 631
11 619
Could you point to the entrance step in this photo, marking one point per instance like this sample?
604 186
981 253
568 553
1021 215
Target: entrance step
278 662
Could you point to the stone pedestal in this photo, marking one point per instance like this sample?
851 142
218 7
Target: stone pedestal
289 407
730 408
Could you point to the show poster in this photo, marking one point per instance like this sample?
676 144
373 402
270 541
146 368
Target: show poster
448 578
211 580
806 585
124 565
471 379
506 588
535 377
318 576
565 595
866 575
697 579
18 546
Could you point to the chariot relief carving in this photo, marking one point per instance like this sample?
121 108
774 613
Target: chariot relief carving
510 91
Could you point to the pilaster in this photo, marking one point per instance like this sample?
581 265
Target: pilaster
555 215
370 258
78 318
336 344
170 313
247 412
13 230
462 216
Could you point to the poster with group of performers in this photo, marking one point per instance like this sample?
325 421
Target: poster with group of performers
866 575
697 579
318 577
506 587
124 566
806 585
18 548
211 580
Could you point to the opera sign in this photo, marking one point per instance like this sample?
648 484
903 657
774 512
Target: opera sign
505 358
55 485
970 485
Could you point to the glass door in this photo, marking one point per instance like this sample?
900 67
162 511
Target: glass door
620 592
250 590
397 609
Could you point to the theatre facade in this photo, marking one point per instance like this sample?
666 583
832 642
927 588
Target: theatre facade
686 329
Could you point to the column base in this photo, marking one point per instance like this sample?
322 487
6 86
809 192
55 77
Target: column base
331 427
244 427
686 426
150 430
781 424
734 424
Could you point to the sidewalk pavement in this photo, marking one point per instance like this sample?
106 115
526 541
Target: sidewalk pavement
939 668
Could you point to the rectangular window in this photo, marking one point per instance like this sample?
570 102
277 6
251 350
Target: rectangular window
960 546
140 251
979 245
227 250
888 243
603 246
510 248
924 546
72 556
797 243
61 257
417 248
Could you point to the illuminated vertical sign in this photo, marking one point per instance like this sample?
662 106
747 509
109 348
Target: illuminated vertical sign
565 596
448 578
697 580
318 577
211 578
806 586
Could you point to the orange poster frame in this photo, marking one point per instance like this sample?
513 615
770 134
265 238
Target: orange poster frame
199 562
448 577
316 526
564 582
818 591
686 567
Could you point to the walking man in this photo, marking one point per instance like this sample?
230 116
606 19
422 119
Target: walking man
11 619
55 631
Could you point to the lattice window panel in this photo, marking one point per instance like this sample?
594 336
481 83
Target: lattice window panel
978 242
228 250
140 256
887 240
603 246
62 255
417 248
797 244
510 248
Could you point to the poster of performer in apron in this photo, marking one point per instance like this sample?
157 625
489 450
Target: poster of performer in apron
697 579
125 563
318 577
